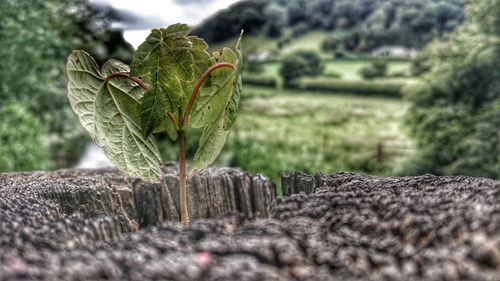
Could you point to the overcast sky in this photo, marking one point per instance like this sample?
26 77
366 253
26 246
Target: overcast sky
142 15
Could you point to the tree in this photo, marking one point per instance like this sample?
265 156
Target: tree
16 153
332 43
36 36
297 12
32 54
254 66
350 12
91 30
378 68
246 15
300 64
276 22
378 22
455 114
485 15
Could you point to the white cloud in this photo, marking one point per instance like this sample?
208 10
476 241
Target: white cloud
191 12
136 37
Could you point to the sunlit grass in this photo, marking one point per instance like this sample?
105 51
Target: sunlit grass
347 68
309 41
286 131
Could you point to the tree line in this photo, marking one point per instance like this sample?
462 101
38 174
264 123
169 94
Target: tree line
38 129
454 115
363 24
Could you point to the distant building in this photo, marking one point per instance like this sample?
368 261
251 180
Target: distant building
259 56
395 51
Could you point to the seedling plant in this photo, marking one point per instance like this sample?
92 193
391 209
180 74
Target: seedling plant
172 84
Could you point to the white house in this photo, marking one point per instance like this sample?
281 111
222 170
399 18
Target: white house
259 56
395 51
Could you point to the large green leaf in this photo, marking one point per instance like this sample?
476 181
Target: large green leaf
165 60
85 80
153 110
119 134
211 103
108 110
210 146
200 55
114 66
167 126
232 106
216 110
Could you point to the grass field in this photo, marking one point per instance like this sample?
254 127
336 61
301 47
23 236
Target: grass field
309 41
280 131
348 68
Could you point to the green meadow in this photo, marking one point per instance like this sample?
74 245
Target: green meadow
285 130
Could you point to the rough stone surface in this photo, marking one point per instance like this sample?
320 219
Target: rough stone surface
134 203
350 227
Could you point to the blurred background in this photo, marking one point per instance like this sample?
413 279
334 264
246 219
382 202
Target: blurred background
386 87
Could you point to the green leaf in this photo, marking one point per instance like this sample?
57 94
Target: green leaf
212 103
167 126
114 66
216 110
165 61
84 82
170 129
210 146
201 57
239 53
153 110
119 134
108 111
232 107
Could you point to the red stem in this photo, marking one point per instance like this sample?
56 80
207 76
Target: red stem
172 118
127 75
185 117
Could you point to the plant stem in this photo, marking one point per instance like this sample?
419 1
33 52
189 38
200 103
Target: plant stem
171 116
183 123
185 117
127 75
182 179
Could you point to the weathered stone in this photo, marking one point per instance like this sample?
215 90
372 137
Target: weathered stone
135 203
413 228
70 226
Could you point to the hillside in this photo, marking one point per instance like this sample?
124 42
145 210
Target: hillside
355 25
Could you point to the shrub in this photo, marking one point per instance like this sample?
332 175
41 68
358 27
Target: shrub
454 115
284 41
333 74
378 68
383 88
66 149
21 134
399 74
332 43
340 54
368 72
260 80
300 64
254 66
299 29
